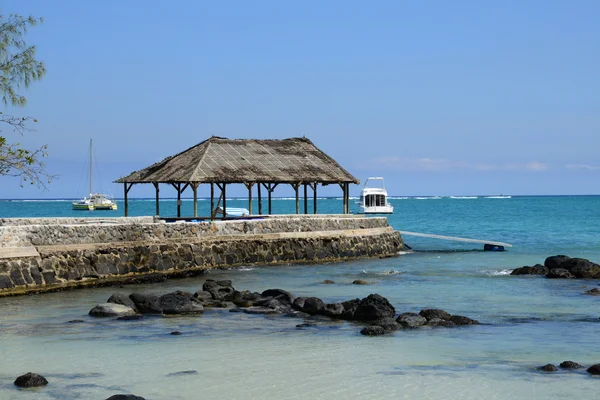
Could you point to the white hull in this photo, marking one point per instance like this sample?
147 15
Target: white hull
374 200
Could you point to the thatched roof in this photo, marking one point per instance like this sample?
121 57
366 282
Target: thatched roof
222 160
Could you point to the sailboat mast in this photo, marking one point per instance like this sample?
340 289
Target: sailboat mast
90 167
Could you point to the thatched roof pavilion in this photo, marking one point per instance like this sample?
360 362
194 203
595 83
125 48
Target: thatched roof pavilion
268 163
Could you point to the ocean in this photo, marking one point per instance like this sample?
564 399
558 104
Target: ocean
527 321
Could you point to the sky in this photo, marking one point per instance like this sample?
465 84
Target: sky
438 97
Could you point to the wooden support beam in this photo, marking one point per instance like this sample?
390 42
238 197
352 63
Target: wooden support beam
249 187
126 189
295 186
314 188
212 201
259 200
305 198
157 199
224 194
347 210
178 187
270 187
195 190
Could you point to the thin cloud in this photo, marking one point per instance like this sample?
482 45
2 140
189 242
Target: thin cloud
439 164
582 166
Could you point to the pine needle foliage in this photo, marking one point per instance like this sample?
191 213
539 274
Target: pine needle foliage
18 69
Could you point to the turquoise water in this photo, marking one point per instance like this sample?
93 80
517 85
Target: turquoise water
528 321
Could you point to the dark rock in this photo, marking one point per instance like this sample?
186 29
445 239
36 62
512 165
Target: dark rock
555 261
125 397
328 282
123 299
219 290
30 380
334 310
594 369
180 303
411 320
179 373
176 333
432 313
146 303
461 320
258 310
306 325
280 294
374 307
75 321
243 303
582 268
440 322
350 308
372 330
570 365
275 304
111 310
593 292
559 273
202 295
134 317
388 324
537 269
360 282
548 368
309 305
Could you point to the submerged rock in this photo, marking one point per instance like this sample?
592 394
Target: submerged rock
594 369
411 320
125 397
537 269
372 330
559 273
593 292
146 303
548 368
328 282
462 320
111 310
122 298
30 379
570 365
434 322
180 303
433 313
360 282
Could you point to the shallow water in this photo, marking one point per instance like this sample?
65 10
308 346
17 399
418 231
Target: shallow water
527 322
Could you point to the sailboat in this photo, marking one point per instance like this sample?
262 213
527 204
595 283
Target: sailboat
96 201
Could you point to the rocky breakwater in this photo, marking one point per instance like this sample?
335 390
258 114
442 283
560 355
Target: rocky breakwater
562 266
374 312
62 256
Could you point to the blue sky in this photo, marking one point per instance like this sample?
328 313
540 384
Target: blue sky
439 97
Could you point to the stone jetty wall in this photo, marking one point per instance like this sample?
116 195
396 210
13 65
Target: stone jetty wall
52 254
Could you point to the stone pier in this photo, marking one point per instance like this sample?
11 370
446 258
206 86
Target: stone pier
50 254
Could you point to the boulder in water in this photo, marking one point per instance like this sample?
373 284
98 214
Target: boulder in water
146 303
372 330
219 290
570 365
555 261
122 298
548 368
125 397
462 320
180 303
30 379
373 307
111 310
594 369
411 320
559 273
432 313
537 269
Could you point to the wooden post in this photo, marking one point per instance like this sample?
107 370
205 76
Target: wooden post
315 198
305 198
249 186
212 201
195 190
224 193
259 200
126 191
343 186
157 206
295 186
347 191
178 200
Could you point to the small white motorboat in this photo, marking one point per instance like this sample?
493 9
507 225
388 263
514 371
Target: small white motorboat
374 198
